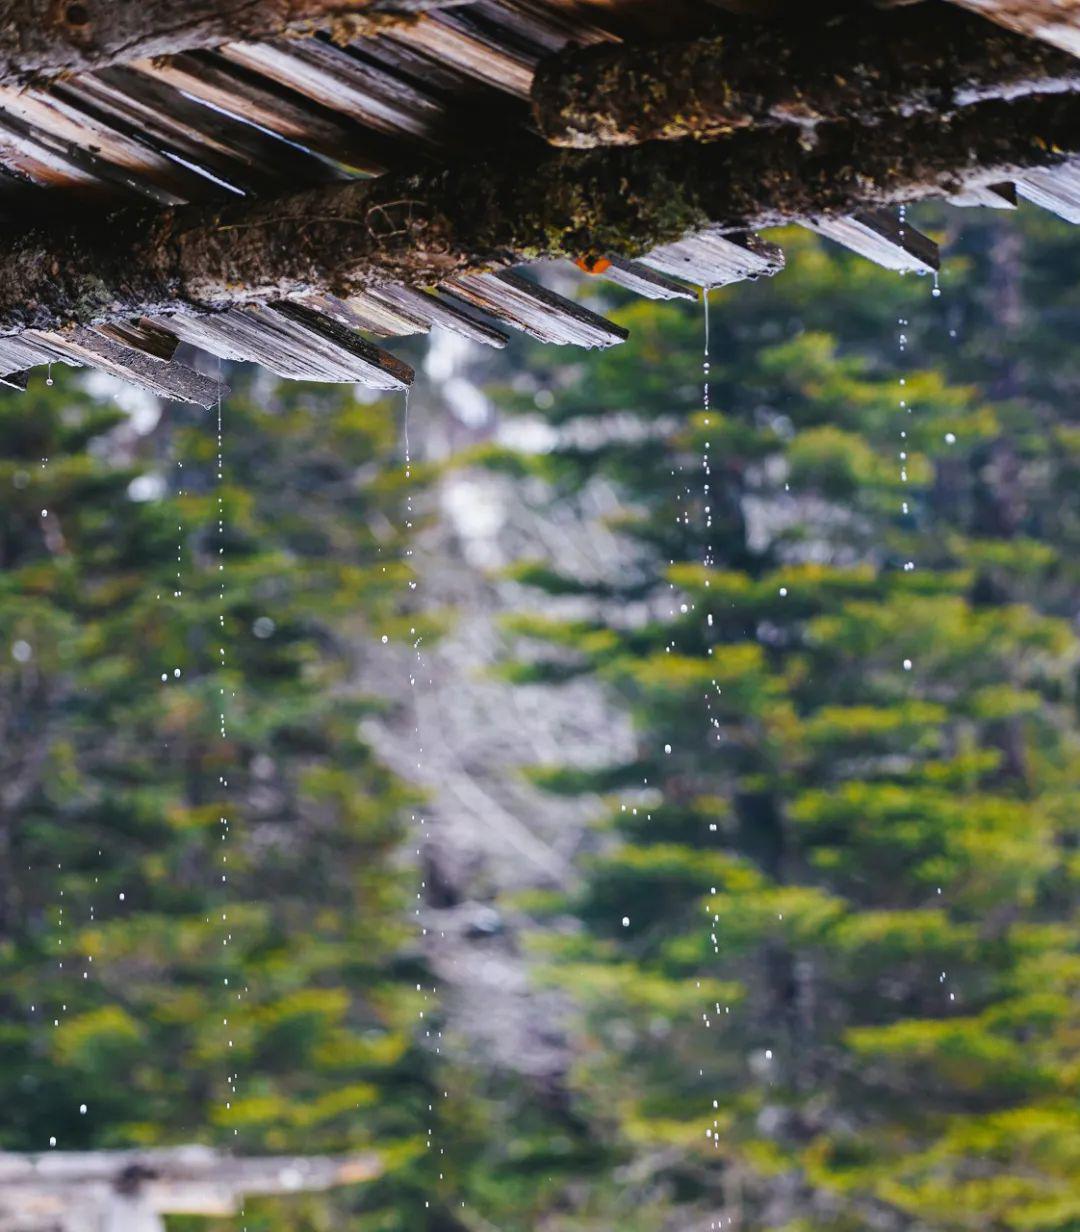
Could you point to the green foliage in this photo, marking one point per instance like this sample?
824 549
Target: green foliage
827 952
203 921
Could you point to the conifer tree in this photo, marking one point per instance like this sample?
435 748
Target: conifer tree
827 936
206 930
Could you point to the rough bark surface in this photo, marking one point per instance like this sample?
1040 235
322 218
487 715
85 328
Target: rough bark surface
802 72
1054 21
523 205
43 38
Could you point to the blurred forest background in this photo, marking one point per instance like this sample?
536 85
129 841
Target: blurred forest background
630 815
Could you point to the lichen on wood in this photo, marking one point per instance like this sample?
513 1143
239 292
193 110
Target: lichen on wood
801 71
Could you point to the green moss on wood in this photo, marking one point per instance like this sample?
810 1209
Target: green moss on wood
855 68
529 203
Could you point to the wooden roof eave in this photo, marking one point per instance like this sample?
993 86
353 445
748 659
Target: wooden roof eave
223 114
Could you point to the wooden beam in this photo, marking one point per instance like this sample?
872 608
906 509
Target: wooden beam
525 204
855 68
129 1191
181 1165
44 38
1053 21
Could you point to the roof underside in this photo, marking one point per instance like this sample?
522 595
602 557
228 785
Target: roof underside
260 120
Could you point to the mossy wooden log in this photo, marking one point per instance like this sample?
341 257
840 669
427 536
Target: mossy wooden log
44 38
801 71
525 204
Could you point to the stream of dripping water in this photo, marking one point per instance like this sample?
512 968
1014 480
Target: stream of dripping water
431 1034
906 436
715 1010
221 667
234 988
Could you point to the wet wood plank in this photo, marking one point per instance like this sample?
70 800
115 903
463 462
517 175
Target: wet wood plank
712 258
54 164
882 238
22 352
340 81
174 381
231 150
649 283
142 336
440 80
261 339
367 310
295 341
208 333
258 100
129 157
433 308
360 359
989 196
1053 21
538 312
1055 189
451 42
535 30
